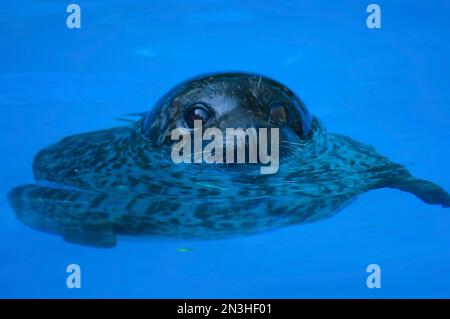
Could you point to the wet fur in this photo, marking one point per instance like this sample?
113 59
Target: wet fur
92 187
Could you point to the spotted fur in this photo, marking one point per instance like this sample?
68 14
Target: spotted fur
92 187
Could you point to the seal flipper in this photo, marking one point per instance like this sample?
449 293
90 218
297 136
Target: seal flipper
90 237
427 191
65 212
386 173
398 177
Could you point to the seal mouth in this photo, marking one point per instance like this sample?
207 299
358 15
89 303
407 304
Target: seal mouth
250 146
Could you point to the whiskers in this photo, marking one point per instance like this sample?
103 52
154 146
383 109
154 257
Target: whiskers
270 117
293 143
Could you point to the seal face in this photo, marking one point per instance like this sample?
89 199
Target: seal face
228 100
94 186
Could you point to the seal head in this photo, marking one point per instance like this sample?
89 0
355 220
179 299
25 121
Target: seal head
228 100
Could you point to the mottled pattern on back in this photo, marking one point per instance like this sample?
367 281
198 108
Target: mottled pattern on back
92 187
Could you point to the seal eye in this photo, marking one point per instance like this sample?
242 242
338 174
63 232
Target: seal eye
198 112
278 113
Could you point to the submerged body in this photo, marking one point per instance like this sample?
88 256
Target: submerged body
92 187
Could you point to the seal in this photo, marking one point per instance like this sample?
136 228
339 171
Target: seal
94 186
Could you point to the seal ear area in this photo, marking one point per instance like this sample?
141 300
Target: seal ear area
302 124
300 119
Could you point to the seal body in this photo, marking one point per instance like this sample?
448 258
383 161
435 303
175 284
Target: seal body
94 186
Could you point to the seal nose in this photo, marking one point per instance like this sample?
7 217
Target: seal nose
247 145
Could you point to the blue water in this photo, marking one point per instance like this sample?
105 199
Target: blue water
387 87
